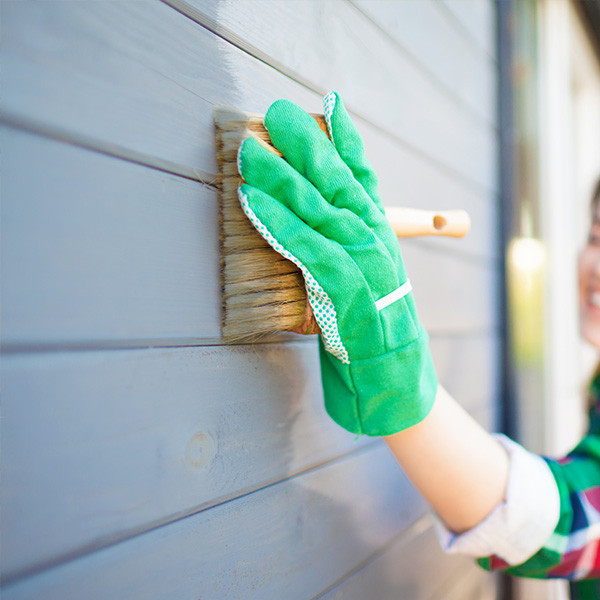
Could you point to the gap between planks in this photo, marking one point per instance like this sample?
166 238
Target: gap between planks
240 43
117 151
419 527
106 149
464 31
425 69
17 348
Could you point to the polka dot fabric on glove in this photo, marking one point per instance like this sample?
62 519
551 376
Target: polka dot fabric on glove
319 207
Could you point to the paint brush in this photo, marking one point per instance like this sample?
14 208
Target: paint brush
262 292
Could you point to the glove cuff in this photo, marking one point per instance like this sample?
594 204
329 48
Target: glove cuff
382 395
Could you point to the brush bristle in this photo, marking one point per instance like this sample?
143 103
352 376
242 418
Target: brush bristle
262 292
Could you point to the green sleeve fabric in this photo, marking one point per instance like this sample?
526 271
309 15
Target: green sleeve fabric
319 207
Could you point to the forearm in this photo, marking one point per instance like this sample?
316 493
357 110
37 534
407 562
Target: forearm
460 469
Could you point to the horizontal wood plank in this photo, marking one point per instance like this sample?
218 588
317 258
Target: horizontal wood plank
211 472
90 72
477 19
109 73
319 39
95 248
158 110
100 251
470 585
423 29
120 441
468 368
99 445
290 540
452 296
413 567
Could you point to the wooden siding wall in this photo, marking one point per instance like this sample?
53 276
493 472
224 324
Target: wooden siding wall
141 457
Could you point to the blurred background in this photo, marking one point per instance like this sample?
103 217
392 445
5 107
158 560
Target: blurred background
144 457
556 163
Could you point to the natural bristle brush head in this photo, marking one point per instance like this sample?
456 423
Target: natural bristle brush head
262 292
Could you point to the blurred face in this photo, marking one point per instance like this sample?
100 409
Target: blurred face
589 284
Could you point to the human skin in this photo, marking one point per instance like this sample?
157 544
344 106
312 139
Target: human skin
461 470
589 283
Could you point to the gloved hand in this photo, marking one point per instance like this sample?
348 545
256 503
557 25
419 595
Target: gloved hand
320 208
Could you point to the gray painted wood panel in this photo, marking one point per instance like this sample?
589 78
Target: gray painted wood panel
110 75
291 540
452 295
467 367
119 442
414 566
425 30
213 471
334 46
130 121
88 70
477 19
100 251
136 438
470 584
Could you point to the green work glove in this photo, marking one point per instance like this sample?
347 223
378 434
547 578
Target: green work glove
320 208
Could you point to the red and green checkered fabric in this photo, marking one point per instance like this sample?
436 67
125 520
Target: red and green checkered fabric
573 550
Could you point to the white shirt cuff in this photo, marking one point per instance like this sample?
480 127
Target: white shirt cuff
520 524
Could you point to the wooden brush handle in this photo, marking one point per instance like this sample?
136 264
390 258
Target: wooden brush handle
412 222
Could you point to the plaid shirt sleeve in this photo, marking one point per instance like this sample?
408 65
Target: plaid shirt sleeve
573 550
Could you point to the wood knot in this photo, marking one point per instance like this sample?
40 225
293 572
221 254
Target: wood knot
200 451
